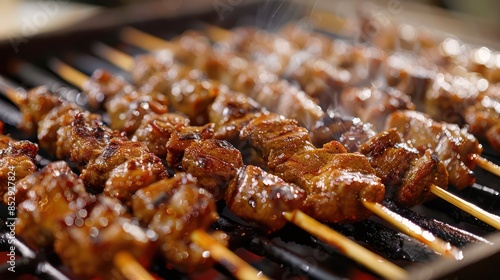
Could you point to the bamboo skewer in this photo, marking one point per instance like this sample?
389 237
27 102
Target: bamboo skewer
489 218
130 268
486 164
415 231
220 253
350 248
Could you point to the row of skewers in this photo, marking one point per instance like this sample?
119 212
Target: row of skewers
190 93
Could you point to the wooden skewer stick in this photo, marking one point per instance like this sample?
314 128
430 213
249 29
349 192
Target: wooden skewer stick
486 164
238 267
68 73
374 262
491 219
217 34
141 39
130 268
415 231
14 93
118 58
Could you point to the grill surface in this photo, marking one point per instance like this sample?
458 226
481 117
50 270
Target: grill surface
311 258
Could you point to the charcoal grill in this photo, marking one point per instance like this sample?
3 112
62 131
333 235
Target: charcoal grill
289 253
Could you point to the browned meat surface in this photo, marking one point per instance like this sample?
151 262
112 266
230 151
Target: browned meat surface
278 138
148 200
44 200
406 174
174 208
231 112
60 117
103 85
484 115
262 198
93 236
214 163
84 140
452 145
35 105
127 109
182 139
448 97
155 131
98 170
17 160
373 105
335 181
193 97
135 173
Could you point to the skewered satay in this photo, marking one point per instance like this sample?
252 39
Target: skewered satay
108 155
418 176
90 234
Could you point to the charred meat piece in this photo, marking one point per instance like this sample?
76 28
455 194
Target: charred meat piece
260 197
135 173
182 139
448 97
406 174
231 112
193 97
117 152
17 160
101 86
155 131
335 181
35 105
214 163
45 199
60 117
93 236
373 105
174 208
452 145
85 139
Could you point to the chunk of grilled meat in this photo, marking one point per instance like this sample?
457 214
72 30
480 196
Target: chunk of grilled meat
122 168
214 163
174 208
35 105
483 117
335 181
406 174
452 145
262 198
373 105
93 236
447 98
17 160
44 200
61 116
84 140
155 131
101 86
230 112
183 138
